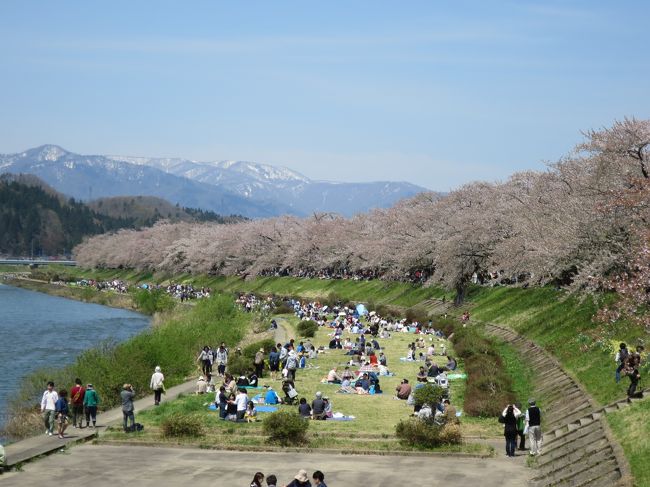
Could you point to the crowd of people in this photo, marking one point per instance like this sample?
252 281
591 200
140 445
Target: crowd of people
301 479
58 411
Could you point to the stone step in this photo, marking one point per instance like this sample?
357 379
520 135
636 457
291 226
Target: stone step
574 452
608 480
577 473
568 436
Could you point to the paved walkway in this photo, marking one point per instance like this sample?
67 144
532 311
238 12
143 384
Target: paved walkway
102 465
25 450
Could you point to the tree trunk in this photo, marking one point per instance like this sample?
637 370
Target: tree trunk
461 291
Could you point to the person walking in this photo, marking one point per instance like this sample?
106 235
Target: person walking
621 358
48 408
62 410
157 384
204 359
509 419
91 400
77 399
128 412
534 426
221 357
274 362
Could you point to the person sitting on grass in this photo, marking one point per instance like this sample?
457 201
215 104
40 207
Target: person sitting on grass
362 385
422 375
242 381
318 407
450 412
451 363
328 408
346 387
304 409
290 391
231 408
271 397
403 390
252 379
201 385
333 377
251 412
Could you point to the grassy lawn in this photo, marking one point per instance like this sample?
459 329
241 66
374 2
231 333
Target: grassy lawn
376 415
563 325
632 429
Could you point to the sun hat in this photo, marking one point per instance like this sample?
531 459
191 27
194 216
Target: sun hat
531 401
261 349
302 476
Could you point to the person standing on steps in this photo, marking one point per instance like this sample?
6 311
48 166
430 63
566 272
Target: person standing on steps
48 408
621 358
157 384
77 394
509 419
534 426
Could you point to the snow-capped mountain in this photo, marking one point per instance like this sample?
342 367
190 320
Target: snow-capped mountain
227 187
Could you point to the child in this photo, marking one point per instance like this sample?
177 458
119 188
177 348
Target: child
251 413
304 409
231 408
61 408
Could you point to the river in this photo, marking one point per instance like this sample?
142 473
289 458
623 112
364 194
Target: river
38 330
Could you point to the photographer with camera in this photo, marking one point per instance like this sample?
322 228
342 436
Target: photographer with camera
127 396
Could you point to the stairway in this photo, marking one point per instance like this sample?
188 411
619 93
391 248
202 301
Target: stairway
578 448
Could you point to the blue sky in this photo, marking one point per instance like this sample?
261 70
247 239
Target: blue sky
435 93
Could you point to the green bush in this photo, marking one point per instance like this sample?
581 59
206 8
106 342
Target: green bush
414 431
152 301
307 328
182 425
283 309
429 393
250 350
286 428
416 314
239 365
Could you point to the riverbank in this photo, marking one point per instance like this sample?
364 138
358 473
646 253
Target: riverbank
86 295
172 343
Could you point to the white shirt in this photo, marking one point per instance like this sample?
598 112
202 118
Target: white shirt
157 379
242 401
48 401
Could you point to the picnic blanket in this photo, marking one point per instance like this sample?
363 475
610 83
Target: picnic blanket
456 376
260 409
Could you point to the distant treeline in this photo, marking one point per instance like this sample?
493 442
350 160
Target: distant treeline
36 220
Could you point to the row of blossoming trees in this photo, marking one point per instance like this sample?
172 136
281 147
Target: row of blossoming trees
583 221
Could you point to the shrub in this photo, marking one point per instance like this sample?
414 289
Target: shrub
307 328
283 309
239 365
428 393
179 425
333 299
414 431
250 350
152 301
285 428
416 314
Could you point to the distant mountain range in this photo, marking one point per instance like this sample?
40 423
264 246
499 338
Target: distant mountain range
227 187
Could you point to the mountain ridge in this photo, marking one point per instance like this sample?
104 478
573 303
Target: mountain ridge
247 188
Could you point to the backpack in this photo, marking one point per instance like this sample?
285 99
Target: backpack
292 363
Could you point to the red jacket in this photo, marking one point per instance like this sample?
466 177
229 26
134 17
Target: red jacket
77 395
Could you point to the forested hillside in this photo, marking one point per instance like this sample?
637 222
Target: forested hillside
36 220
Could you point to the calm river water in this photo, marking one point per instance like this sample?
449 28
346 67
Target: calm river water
38 330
